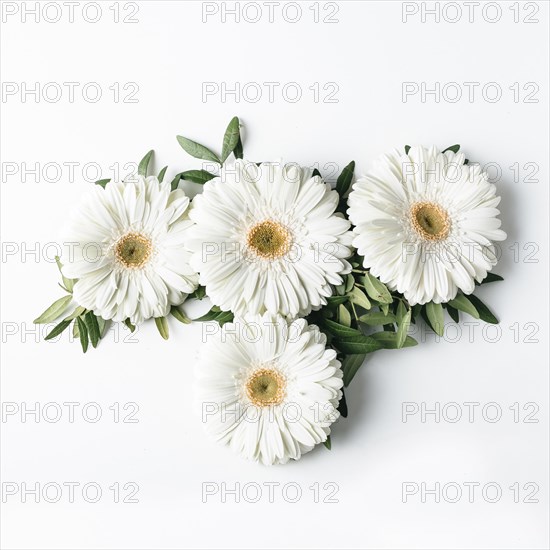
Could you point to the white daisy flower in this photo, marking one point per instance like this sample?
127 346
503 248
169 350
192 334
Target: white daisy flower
268 239
425 223
127 250
268 388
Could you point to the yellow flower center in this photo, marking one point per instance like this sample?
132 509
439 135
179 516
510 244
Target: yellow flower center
133 250
269 239
266 387
430 221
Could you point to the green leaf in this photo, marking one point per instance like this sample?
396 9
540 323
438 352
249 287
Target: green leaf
83 334
215 314
453 313
54 311
162 326
407 149
93 328
376 289
343 405
144 164
350 282
402 328
103 183
129 324
350 365
102 324
197 150
485 314
358 344
344 316
358 297
68 283
491 278
161 174
435 315
336 300
327 443
199 293
453 148
391 340
179 315
238 151
344 179
375 318
230 138
57 330
196 176
77 312
76 332
316 173
462 303
339 330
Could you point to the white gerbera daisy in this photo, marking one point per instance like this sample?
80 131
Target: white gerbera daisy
127 250
267 388
267 239
425 223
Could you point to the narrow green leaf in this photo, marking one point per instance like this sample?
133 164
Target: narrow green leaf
225 317
453 313
343 405
350 282
491 278
68 283
327 443
196 176
358 297
179 315
403 327
435 314
93 328
344 316
57 330
161 174
375 318
485 314
199 293
103 183
316 173
83 334
339 330
54 311
376 289
197 150
230 138
336 300
344 179
162 326
358 344
76 332
462 303
215 314
391 340
77 312
407 149
239 151
453 148
350 365
144 164
129 324
400 312
102 324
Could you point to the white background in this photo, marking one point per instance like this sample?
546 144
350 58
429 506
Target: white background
368 53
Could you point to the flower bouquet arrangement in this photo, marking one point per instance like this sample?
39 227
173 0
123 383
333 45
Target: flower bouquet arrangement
305 281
